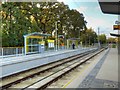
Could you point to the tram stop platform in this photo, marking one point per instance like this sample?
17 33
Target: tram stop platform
11 65
101 73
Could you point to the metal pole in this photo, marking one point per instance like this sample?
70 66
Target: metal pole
16 51
25 41
65 43
89 41
58 43
22 50
56 35
2 51
31 45
98 38
79 39
86 41
119 33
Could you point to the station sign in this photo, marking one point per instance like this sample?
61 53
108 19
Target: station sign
51 43
116 27
117 22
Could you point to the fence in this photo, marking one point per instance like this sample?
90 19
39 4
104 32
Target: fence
15 51
6 51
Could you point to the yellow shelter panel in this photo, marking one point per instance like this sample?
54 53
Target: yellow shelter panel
27 49
51 41
34 37
42 42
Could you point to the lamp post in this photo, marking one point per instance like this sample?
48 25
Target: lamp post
56 35
98 39
86 40
80 35
65 43
89 40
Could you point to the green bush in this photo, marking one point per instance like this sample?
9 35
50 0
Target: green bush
113 46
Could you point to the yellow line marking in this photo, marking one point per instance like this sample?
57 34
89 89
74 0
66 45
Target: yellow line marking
77 75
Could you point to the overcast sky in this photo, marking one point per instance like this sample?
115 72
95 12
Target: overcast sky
93 15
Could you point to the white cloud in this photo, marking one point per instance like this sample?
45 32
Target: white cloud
60 0
82 9
97 22
93 20
78 0
105 26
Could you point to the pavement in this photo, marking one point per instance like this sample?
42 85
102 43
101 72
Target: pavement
101 73
21 58
109 70
34 56
17 64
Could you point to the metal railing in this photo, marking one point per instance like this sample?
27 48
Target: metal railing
10 51
17 51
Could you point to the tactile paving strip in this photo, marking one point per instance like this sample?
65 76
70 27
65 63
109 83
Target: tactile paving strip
91 82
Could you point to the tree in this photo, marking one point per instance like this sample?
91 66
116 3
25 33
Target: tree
88 37
20 18
76 22
112 40
15 23
102 39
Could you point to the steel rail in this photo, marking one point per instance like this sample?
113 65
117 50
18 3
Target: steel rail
37 73
37 85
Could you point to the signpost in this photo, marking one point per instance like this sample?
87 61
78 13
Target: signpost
116 27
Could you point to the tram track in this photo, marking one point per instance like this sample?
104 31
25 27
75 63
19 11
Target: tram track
42 73
42 84
18 77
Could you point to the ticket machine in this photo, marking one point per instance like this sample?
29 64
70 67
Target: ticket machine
41 46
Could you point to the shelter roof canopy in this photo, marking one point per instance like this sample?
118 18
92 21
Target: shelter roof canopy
74 39
36 34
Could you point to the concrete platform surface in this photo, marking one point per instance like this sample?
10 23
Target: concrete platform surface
105 72
101 73
109 70
17 64
21 58
84 72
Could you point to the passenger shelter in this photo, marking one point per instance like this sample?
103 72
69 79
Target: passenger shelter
70 41
34 42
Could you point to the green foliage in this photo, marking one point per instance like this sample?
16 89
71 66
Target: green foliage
112 40
20 18
88 37
113 45
102 38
